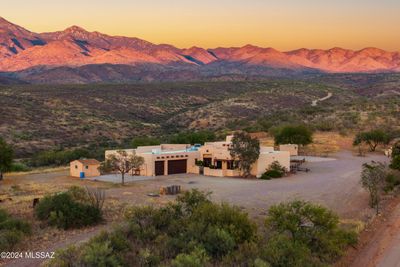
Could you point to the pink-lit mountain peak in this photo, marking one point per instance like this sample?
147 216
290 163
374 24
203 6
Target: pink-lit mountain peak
75 46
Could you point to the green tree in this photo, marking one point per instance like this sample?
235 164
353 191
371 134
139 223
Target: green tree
395 163
122 162
312 229
6 157
372 138
396 149
145 141
292 134
199 137
373 179
245 150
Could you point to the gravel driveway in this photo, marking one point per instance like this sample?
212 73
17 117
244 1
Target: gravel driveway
333 183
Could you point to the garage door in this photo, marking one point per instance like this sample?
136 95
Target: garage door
177 166
159 168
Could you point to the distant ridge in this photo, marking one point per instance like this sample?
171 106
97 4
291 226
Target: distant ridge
27 53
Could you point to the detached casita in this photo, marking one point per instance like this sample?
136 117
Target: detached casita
83 168
169 159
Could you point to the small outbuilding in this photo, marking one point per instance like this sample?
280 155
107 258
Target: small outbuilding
84 168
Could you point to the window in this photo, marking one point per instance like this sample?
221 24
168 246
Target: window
86 167
76 166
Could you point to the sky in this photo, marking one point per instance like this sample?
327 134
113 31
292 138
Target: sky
282 24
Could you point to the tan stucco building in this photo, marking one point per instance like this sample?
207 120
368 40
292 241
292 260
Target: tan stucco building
217 156
168 159
84 168
165 159
293 149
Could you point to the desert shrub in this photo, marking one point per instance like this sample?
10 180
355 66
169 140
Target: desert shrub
145 141
395 164
19 167
191 199
12 231
325 126
106 249
57 157
99 254
293 134
199 137
313 233
197 258
64 211
392 181
193 232
275 170
282 251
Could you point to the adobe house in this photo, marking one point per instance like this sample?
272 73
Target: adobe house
217 156
169 159
83 168
165 159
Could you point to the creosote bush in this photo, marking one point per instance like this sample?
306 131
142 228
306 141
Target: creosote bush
12 231
275 170
72 209
194 232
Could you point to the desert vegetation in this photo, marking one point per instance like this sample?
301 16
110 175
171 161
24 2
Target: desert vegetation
62 118
245 150
379 179
12 231
74 208
275 170
193 231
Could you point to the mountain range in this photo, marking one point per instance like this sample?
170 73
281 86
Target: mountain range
79 56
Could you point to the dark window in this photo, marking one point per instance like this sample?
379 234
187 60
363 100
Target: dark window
86 167
207 162
218 164
230 165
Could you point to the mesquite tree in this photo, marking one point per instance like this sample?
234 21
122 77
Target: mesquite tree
373 178
245 150
122 162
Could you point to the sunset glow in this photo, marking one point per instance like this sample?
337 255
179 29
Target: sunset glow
282 24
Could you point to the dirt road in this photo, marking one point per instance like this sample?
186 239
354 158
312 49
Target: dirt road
382 248
315 102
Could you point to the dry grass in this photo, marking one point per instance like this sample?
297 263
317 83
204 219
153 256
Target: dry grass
18 190
325 143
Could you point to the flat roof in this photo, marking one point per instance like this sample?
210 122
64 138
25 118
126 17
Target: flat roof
168 151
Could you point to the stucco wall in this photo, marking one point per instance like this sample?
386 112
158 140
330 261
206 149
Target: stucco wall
76 167
266 159
293 149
